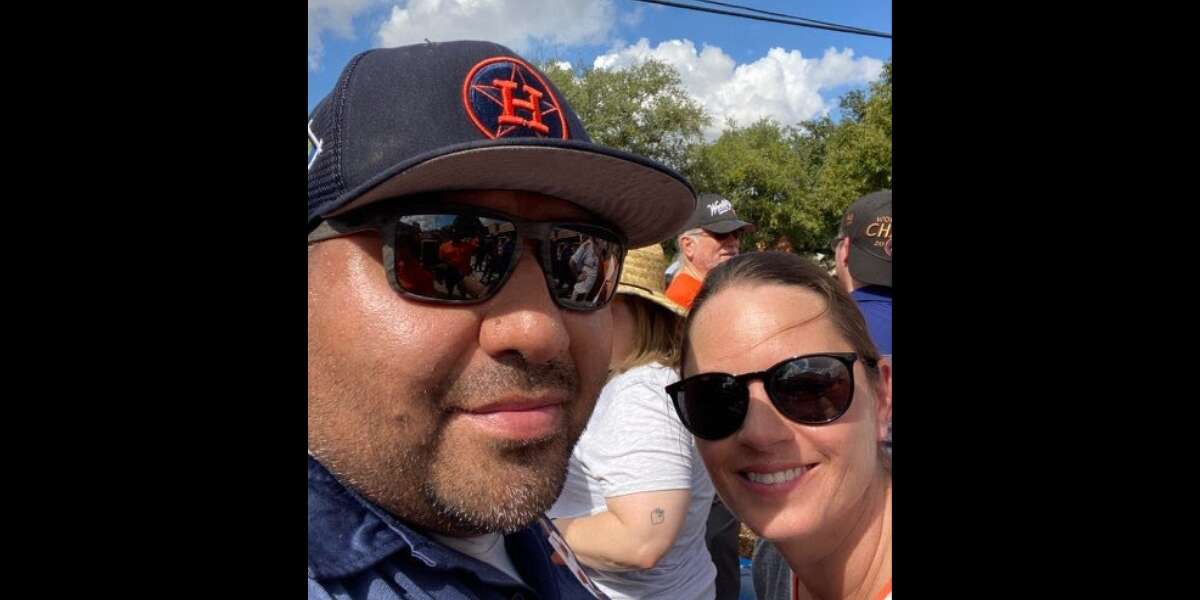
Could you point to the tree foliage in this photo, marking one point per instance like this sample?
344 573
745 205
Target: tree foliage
791 180
643 109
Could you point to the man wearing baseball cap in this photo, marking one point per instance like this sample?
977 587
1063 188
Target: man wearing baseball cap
450 368
710 238
863 258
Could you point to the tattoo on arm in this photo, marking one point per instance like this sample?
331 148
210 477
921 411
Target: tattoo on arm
656 516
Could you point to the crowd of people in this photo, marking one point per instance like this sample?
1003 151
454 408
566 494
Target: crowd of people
512 394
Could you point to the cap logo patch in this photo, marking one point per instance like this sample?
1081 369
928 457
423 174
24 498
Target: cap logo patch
719 208
879 234
505 97
314 146
881 228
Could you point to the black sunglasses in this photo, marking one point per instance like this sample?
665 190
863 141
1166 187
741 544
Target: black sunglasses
721 237
814 389
459 254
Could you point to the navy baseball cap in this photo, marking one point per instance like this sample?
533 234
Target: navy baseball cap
475 116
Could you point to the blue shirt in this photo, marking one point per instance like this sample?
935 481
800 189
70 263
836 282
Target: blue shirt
358 550
875 302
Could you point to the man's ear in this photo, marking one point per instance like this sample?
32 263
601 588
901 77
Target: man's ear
687 246
842 256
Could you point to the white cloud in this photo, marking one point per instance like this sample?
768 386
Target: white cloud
517 25
782 85
334 17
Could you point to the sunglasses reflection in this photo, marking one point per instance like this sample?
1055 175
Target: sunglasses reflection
466 257
585 270
830 395
818 394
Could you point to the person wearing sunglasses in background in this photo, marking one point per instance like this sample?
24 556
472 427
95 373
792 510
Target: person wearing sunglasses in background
449 381
637 497
710 238
789 401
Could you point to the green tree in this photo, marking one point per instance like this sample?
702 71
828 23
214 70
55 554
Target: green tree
642 109
858 153
798 181
793 181
760 170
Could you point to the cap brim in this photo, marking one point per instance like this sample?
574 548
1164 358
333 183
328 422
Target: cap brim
728 226
659 299
868 268
645 200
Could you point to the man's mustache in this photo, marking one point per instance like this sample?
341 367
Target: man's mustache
510 375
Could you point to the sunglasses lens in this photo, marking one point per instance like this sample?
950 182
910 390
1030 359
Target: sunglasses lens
712 406
584 266
812 390
459 258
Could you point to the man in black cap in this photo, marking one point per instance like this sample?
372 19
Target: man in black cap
863 258
442 412
710 238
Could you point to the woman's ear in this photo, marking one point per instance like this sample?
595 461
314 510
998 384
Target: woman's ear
883 397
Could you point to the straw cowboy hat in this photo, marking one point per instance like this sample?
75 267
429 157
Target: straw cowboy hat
642 276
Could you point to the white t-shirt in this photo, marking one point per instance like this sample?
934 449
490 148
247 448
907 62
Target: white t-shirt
634 443
488 548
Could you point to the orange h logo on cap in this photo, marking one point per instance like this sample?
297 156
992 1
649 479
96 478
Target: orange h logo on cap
506 97
533 105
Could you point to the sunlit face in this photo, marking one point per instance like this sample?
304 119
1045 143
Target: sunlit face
705 250
458 419
811 479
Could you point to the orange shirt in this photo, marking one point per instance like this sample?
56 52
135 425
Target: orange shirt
414 277
458 254
683 289
886 592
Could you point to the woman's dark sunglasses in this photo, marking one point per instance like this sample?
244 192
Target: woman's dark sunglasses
458 254
814 389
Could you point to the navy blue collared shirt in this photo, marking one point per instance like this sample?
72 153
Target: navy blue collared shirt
875 303
356 550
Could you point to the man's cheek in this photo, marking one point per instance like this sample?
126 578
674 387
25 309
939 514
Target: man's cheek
591 340
591 345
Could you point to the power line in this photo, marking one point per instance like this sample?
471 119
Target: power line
767 12
807 23
791 19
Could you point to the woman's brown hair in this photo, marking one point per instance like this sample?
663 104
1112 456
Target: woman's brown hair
656 333
782 268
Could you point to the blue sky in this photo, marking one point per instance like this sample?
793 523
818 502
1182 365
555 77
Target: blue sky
736 68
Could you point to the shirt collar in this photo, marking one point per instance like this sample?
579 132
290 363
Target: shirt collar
346 533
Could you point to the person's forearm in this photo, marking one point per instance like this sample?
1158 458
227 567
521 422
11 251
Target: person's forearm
601 541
